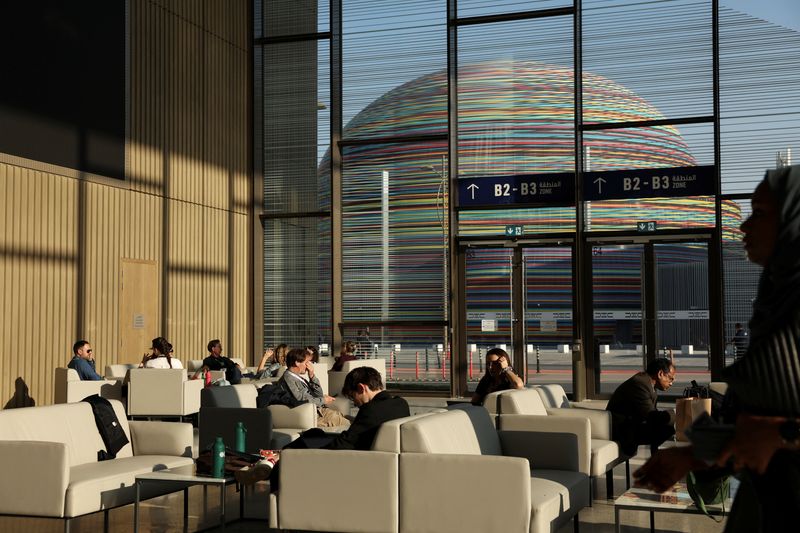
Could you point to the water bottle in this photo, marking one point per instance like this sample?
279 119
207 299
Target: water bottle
241 437
218 468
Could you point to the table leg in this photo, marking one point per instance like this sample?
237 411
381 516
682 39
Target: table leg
136 509
186 510
652 522
242 494
616 520
222 507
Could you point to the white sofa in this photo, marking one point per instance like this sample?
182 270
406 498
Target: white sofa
48 456
449 466
162 392
70 388
336 378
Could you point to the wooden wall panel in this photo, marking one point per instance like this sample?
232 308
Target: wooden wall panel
183 205
38 281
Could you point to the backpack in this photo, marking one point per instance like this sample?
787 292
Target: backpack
108 426
276 394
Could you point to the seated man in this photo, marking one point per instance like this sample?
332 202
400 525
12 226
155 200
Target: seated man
499 376
634 417
364 387
304 386
83 361
217 361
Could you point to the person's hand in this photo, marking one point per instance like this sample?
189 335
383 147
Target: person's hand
329 399
756 441
145 358
503 363
310 370
666 468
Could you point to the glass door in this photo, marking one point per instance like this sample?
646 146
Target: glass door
650 300
618 298
548 329
488 282
503 285
682 332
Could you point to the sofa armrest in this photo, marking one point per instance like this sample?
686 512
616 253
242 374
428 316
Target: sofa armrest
161 438
554 442
191 395
451 493
346 473
303 416
78 390
35 477
600 421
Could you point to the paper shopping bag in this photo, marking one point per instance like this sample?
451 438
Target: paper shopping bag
686 412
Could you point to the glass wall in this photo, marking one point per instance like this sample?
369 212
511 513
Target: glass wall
354 100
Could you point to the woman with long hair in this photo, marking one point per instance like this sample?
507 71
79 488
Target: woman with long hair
160 355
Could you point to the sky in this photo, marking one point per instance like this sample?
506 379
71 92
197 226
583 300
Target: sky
783 12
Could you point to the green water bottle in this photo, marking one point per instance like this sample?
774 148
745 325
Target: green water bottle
241 437
218 468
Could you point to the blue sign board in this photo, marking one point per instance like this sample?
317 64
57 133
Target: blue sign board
517 190
649 183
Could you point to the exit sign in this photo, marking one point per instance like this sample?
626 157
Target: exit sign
646 227
513 231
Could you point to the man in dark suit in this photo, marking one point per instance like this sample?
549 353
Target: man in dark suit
634 417
364 387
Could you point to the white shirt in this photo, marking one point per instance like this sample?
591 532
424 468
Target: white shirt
161 362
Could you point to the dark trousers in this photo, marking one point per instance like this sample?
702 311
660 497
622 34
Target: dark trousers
652 432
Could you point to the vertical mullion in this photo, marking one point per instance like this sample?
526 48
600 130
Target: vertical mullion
716 283
457 333
581 280
336 173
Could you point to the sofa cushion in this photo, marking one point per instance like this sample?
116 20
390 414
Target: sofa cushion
450 432
243 395
553 395
522 402
387 439
70 423
570 488
556 496
484 428
107 484
604 452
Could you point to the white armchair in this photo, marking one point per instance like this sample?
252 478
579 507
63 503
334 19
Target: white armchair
336 378
603 453
69 387
162 392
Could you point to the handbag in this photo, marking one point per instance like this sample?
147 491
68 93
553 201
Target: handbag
234 460
709 487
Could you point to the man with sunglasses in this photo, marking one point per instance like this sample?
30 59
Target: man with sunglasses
634 417
83 361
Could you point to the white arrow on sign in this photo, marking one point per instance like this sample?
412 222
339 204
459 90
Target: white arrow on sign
472 188
599 182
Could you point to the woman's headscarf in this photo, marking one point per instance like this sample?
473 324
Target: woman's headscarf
778 298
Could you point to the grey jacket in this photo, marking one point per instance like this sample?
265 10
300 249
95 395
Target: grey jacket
302 390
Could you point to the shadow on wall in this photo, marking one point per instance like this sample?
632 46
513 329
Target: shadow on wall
21 397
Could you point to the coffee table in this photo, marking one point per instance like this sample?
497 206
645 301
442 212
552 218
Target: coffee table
182 478
675 500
